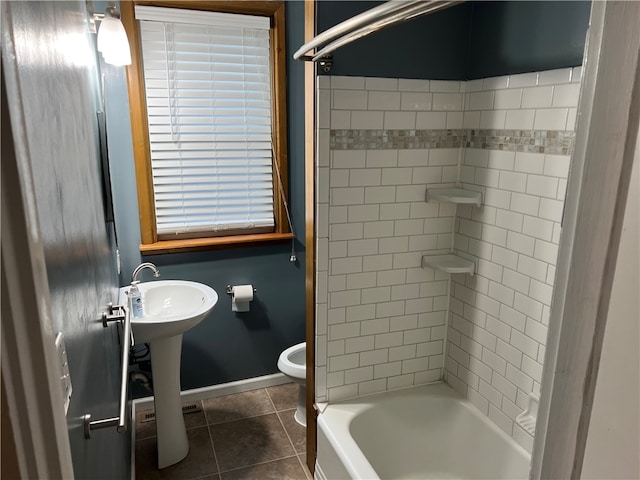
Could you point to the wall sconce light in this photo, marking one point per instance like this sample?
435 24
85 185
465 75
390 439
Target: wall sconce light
112 38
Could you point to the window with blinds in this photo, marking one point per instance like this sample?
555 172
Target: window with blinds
208 90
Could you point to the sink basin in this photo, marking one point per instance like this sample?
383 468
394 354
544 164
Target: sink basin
171 307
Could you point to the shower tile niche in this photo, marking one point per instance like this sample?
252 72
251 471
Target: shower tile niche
382 321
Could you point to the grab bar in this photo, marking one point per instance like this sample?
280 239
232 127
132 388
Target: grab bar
351 24
116 313
401 16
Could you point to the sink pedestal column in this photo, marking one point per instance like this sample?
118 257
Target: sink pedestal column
173 445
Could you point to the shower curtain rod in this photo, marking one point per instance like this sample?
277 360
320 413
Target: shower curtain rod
377 18
349 25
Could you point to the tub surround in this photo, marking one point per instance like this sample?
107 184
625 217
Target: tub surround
498 318
380 317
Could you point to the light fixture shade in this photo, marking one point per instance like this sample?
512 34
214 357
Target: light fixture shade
113 42
118 54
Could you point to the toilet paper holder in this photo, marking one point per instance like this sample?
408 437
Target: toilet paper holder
230 290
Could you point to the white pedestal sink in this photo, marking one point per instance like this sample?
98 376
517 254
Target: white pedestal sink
171 307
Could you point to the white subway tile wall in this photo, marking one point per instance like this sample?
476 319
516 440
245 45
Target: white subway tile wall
381 319
382 322
498 326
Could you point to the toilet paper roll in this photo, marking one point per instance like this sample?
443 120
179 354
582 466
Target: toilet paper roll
241 295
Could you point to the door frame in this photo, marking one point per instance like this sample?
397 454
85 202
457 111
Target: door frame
310 234
607 130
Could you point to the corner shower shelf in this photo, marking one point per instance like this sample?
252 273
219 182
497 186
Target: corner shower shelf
453 195
449 263
527 419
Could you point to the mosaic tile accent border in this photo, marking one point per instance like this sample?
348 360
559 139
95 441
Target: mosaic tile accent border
559 142
395 139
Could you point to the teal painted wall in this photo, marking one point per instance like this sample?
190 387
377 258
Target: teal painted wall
226 346
471 40
517 37
432 47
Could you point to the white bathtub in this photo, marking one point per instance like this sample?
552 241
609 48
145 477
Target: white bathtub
427 432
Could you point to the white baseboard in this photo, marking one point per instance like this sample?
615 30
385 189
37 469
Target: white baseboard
220 390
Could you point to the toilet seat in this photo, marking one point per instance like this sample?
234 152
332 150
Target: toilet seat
292 361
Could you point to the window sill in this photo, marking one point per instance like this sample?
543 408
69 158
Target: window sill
212 243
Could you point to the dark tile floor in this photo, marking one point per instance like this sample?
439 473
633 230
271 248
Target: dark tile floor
250 435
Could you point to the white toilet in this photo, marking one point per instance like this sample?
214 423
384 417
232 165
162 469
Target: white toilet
292 363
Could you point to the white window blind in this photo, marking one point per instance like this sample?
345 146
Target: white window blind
208 91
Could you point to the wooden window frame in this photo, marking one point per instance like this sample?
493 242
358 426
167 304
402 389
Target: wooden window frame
150 244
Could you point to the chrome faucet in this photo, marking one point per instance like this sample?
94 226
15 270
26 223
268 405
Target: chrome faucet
142 266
